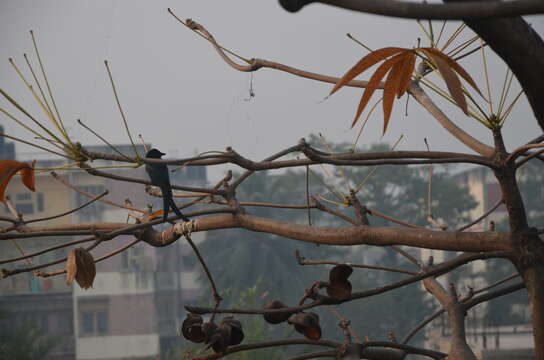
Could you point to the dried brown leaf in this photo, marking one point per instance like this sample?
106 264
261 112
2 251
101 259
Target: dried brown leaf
390 89
408 69
455 66
450 78
8 168
373 84
363 64
85 268
28 177
71 267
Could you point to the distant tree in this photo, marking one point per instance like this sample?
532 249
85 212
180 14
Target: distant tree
24 342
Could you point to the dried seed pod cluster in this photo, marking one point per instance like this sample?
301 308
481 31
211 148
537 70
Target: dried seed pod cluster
305 323
219 337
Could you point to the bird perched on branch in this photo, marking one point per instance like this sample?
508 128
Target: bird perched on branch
158 174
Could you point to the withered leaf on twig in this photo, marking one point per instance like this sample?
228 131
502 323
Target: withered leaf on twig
80 265
8 168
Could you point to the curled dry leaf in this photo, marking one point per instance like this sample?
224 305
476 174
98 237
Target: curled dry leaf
80 265
8 168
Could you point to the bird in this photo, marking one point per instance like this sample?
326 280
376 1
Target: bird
158 174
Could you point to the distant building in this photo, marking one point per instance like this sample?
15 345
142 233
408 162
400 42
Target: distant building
135 308
7 149
489 342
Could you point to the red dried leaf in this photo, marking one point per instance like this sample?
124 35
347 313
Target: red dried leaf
450 78
455 66
373 84
408 69
363 64
8 168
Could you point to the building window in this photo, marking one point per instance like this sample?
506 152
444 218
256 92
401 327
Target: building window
23 197
94 322
92 212
39 202
24 203
93 317
24 208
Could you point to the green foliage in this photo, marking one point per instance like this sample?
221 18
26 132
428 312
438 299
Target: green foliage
24 342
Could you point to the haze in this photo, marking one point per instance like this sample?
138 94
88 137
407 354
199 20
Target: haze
178 93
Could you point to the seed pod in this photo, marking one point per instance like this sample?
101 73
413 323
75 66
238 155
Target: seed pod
209 329
192 328
235 328
340 273
306 324
339 286
275 318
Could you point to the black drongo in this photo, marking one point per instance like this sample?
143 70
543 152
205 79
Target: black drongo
158 174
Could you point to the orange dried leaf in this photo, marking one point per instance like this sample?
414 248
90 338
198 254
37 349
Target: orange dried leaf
86 268
450 77
408 69
28 176
155 215
455 66
363 64
8 168
71 267
390 89
373 84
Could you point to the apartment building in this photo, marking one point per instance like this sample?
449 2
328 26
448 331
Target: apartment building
135 307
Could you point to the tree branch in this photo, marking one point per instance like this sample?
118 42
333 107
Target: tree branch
413 10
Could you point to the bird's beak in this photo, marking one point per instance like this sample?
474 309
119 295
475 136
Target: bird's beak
162 153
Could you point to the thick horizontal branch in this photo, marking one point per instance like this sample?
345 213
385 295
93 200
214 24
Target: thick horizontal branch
357 235
413 10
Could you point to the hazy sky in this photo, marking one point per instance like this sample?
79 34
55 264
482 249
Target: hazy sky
181 96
